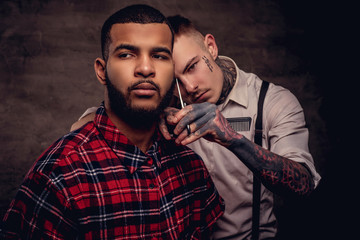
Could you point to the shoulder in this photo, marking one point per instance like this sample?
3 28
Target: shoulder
280 104
253 83
277 93
61 152
277 98
280 101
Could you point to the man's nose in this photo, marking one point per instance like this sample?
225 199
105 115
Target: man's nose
145 67
191 87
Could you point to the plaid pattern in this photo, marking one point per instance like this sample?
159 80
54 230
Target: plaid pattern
95 184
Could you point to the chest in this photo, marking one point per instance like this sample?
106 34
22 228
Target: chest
150 202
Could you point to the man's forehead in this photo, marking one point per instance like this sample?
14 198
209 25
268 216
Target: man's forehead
133 24
185 50
158 34
124 29
186 44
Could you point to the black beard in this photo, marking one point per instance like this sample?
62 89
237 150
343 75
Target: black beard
140 118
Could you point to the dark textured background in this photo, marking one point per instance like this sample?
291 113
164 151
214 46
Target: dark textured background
47 49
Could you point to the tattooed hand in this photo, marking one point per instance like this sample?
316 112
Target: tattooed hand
277 173
204 120
165 126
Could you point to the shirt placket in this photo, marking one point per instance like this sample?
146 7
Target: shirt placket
151 182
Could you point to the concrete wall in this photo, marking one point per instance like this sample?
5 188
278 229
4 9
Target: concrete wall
47 49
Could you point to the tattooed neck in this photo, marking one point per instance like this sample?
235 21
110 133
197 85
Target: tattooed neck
229 72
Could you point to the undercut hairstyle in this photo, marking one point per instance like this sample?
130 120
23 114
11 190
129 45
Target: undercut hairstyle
138 13
183 26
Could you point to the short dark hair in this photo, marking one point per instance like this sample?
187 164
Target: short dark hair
138 13
180 24
183 26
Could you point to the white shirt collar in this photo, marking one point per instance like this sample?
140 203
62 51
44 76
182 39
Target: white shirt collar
239 93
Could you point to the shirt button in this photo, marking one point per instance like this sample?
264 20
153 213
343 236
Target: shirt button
151 185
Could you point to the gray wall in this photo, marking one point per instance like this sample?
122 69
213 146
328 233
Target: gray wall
47 50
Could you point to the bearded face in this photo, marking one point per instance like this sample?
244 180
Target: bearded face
140 117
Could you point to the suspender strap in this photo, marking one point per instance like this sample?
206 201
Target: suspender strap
257 184
258 123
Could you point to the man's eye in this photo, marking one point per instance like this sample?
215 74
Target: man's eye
124 55
161 57
192 67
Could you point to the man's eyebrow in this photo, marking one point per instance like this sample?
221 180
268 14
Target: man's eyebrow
127 47
162 49
136 49
188 64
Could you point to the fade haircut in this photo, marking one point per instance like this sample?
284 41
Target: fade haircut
183 26
138 13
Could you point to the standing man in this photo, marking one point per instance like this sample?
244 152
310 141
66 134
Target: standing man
115 177
218 90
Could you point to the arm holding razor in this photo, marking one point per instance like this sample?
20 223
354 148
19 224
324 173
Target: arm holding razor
206 121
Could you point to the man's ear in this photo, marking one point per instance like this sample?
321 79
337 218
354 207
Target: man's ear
100 68
211 45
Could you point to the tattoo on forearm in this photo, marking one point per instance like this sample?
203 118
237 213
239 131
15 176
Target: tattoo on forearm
281 172
208 63
277 173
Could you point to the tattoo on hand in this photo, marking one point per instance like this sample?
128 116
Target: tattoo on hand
224 128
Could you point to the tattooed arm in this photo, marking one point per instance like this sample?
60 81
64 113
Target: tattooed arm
277 173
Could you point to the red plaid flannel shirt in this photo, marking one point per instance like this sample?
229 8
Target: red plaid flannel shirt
95 184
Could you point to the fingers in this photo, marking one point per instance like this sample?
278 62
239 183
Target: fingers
205 122
167 120
170 115
197 109
185 139
163 128
192 113
191 138
200 118
200 127
181 114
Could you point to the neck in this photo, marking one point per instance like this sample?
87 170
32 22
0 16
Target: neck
229 71
140 137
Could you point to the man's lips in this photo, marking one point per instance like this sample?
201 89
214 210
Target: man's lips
200 97
144 89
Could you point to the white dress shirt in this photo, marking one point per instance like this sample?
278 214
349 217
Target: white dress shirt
284 133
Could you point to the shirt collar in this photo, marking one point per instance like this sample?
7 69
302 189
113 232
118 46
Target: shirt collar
129 154
239 93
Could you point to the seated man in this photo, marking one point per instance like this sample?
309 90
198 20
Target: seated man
116 177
